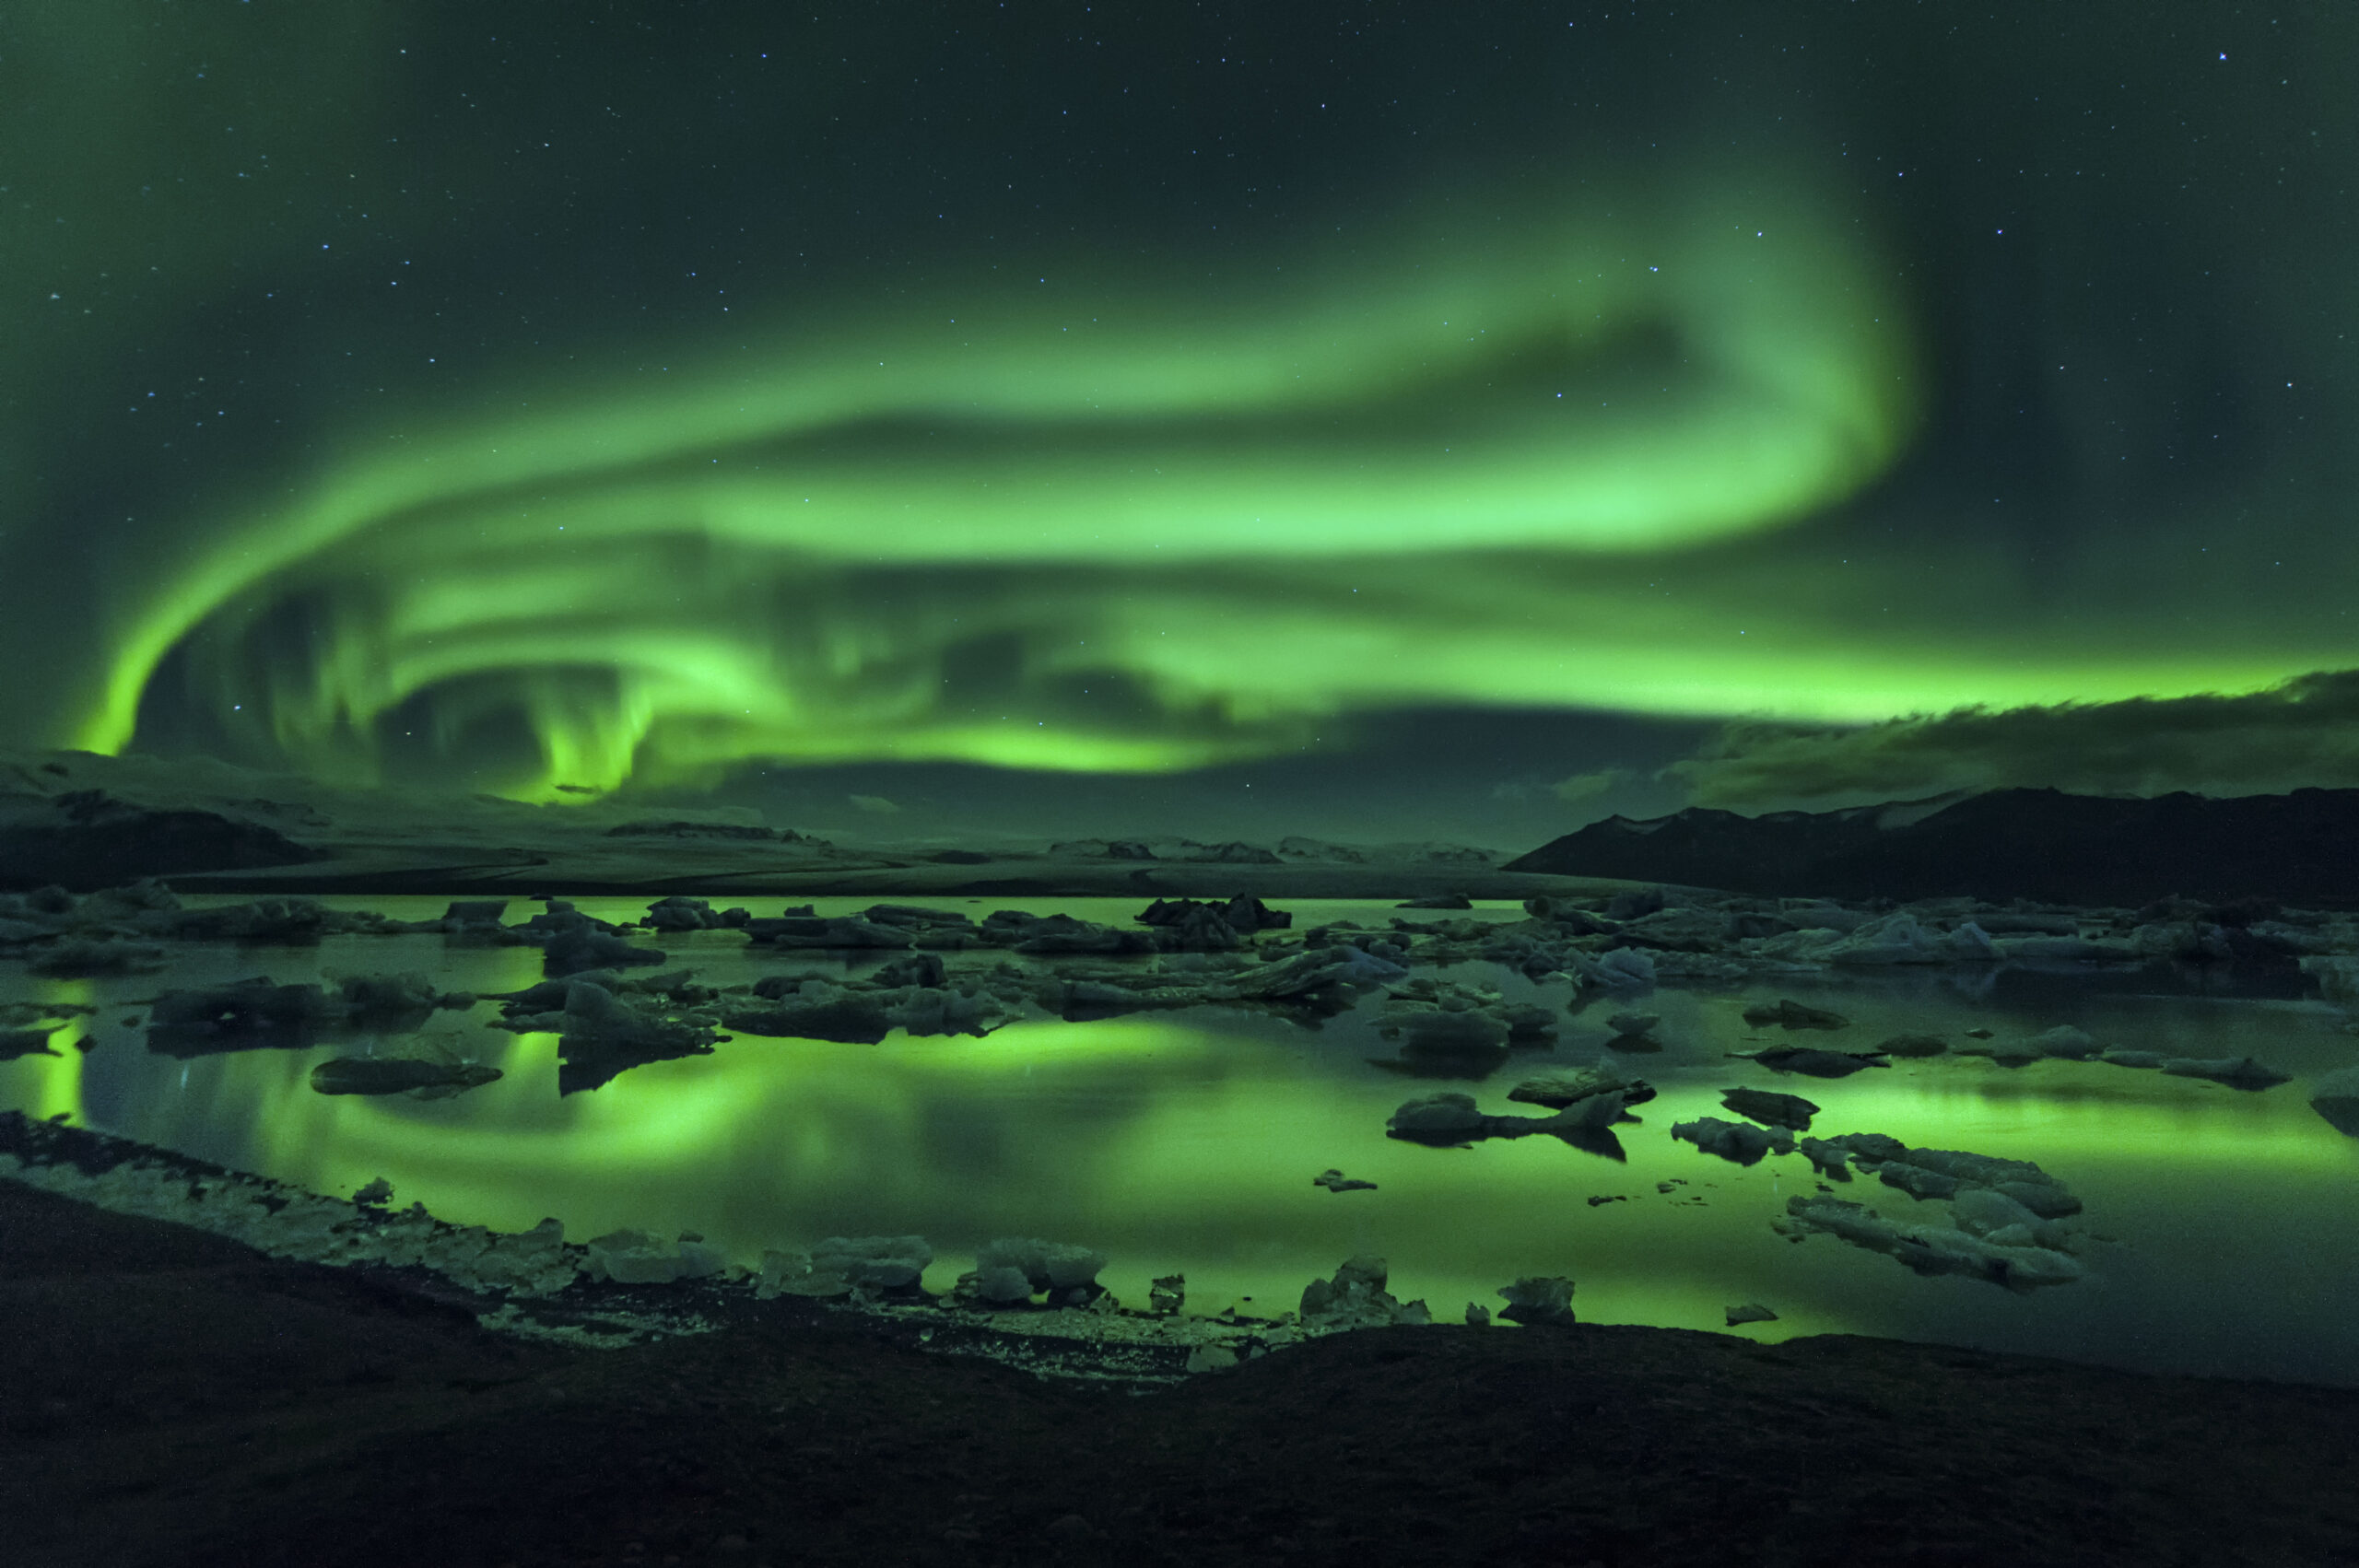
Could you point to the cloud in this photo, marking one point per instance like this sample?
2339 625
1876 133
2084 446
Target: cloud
2304 731
1583 787
876 804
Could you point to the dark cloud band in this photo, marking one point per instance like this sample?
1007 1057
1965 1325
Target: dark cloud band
2305 731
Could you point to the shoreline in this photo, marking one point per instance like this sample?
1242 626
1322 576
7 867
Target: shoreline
257 1412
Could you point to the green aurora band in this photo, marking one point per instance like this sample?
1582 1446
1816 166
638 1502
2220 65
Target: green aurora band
1164 529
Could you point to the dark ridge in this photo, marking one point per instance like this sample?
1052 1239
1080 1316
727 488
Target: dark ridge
2006 843
94 840
651 829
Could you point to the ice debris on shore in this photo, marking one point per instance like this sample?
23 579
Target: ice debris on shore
1355 1298
636 1258
515 1275
1013 1270
288 1223
1542 1300
860 1267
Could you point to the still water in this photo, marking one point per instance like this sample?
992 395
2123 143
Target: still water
2222 1235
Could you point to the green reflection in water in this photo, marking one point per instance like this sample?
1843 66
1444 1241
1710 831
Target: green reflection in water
51 1085
1186 1143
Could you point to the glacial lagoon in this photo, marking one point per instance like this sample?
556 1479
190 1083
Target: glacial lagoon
2220 1235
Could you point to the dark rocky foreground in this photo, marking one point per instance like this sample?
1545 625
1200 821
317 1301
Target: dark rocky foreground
2001 845
170 1397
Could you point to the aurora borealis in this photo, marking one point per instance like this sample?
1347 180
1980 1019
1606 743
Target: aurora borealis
594 405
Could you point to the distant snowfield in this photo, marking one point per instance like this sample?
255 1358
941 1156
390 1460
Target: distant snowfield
393 840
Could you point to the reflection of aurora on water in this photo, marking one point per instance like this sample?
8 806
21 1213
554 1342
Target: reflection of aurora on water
1187 1143
1154 532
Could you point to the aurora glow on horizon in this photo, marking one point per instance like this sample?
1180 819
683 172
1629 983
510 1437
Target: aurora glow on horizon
1555 419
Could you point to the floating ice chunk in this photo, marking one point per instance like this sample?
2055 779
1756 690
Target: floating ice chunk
1771 1109
2070 949
1447 1118
1897 937
2064 1041
1929 1249
576 952
1811 1062
932 1010
1694 967
819 1011
1787 1013
682 914
1830 1159
2237 1072
1317 970
1623 969
77 958
1998 1217
1734 1140
2338 976
1452 1120
1450 1032
2335 1097
1561 1089
1970 944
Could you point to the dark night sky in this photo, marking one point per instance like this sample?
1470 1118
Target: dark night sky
1363 420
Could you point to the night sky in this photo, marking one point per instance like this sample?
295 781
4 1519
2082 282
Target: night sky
1360 420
